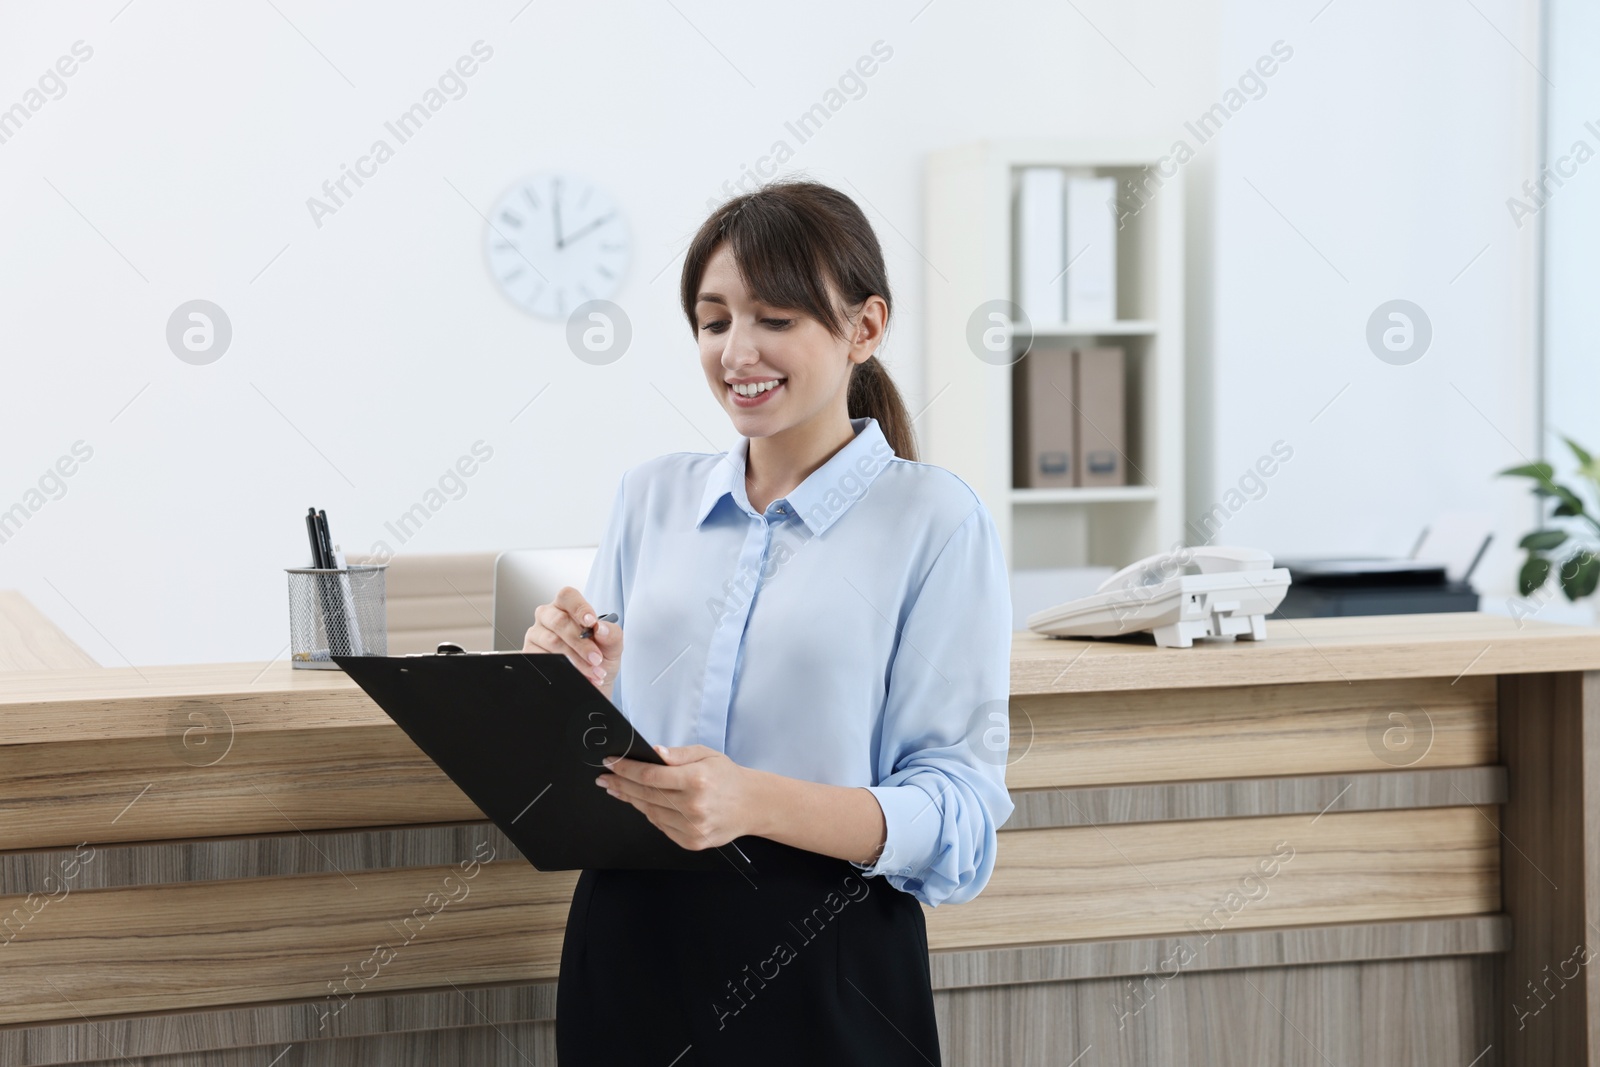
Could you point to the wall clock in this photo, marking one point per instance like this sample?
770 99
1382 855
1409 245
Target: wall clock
556 240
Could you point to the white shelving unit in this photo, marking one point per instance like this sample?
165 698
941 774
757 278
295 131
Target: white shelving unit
969 223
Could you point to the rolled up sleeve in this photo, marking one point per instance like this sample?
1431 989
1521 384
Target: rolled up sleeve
942 757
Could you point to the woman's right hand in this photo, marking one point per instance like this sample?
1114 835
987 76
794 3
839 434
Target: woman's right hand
557 627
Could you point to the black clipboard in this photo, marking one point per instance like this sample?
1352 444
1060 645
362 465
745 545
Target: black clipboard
523 735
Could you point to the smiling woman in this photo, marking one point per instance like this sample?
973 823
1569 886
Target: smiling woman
823 712
798 249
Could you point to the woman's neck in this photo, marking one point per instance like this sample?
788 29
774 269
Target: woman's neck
777 464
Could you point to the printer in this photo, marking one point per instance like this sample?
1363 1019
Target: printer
1371 585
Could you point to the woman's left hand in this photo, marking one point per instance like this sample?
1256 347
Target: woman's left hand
701 799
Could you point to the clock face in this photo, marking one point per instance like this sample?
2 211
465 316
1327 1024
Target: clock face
554 241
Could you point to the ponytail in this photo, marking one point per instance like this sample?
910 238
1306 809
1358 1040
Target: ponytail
872 393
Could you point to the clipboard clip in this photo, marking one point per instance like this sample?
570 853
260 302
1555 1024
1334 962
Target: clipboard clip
450 648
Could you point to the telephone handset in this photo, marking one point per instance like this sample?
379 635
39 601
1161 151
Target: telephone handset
1211 559
1230 596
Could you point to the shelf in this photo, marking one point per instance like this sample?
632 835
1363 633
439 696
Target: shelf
1120 328
1103 494
969 219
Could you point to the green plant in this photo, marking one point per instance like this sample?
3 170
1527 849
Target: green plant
1580 569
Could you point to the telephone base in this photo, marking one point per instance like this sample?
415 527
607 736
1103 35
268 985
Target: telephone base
1181 634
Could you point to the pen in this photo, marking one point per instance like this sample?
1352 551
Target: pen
609 616
326 538
338 606
316 541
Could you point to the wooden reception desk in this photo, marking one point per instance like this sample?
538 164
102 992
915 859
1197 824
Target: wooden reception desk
1362 841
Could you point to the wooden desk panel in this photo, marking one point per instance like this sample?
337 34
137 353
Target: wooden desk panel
31 642
1448 645
204 768
982 998
273 939
65 705
265 782
1250 731
1143 879
78 746
263 940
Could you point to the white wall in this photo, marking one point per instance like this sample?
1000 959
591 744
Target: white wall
374 350
1375 167
1570 221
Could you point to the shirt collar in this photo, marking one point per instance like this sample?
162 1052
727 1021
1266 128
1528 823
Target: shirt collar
824 495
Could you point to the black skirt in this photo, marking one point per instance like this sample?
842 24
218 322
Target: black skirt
806 962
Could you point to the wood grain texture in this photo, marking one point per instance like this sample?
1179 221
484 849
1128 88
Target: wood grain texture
248 941
31 642
1247 797
267 856
121 702
1425 1013
1229 949
370 1015
237 753
1413 1013
255 940
322 851
1548 1002
111 703
1249 731
117 757
172 723
1308 650
269 781
1100 883
505 1045
271 1027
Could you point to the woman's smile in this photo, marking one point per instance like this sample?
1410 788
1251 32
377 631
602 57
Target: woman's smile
753 392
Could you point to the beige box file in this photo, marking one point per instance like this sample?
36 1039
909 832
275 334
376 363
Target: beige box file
1101 432
1044 455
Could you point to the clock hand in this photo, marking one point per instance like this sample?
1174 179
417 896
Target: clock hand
555 207
596 224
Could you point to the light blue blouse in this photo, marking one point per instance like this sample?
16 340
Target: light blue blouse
857 633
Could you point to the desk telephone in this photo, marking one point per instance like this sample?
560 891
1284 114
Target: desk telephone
1233 592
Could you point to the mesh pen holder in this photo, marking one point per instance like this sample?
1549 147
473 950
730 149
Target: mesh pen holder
334 612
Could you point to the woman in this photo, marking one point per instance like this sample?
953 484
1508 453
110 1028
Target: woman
820 638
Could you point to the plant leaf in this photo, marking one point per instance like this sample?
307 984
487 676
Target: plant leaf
1541 471
1579 574
1543 540
1588 463
1533 574
1570 502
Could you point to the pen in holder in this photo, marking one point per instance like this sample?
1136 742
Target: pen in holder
336 611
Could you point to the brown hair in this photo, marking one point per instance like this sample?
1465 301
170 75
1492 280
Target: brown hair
789 239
